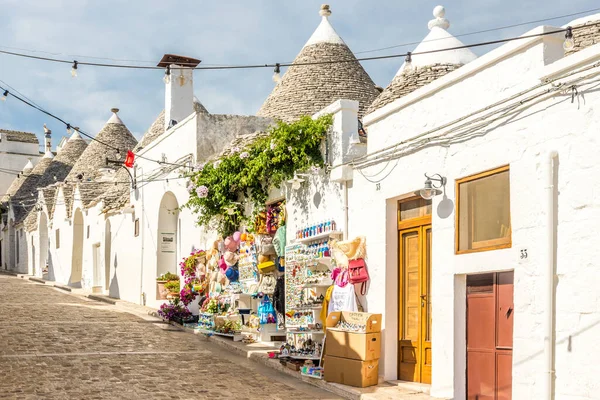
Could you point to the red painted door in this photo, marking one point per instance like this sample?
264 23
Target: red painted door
489 336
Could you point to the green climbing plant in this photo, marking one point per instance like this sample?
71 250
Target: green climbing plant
219 189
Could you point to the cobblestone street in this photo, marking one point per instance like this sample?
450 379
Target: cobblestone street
55 345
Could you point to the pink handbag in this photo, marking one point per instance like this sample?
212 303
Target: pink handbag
357 273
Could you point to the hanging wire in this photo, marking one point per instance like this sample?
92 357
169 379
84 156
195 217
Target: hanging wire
288 64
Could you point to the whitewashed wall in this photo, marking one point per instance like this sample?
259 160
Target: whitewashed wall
14 156
523 143
61 257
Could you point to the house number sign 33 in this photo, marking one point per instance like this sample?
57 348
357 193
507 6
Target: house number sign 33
523 255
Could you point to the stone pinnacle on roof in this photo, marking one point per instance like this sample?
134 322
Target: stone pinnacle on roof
28 167
306 88
324 32
439 38
425 68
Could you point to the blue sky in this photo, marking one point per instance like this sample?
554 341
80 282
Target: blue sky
217 32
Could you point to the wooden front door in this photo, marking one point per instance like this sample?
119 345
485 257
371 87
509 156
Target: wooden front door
414 347
489 336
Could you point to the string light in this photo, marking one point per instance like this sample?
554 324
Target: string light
5 95
167 77
408 62
569 42
69 129
74 69
288 64
276 73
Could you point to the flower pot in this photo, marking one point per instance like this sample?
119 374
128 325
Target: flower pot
171 295
161 292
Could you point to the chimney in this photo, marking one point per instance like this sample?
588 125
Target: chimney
48 140
179 87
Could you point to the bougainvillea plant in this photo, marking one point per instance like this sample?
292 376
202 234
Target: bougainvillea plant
193 285
188 264
173 310
219 188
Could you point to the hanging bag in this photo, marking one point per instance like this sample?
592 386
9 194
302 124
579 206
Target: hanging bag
266 312
266 246
340 277
357 273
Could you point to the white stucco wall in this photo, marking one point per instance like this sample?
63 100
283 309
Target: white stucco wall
14 156
61 258
523 143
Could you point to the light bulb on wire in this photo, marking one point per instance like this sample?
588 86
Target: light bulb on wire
569 42
408 62
167 77
74 69
277 73
69 129
4 95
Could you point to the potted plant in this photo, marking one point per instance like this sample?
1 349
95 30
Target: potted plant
161 292
172 287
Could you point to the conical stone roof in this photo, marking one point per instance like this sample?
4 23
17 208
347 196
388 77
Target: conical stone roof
57 171
306 89
24 198
88 168
89 164
426 68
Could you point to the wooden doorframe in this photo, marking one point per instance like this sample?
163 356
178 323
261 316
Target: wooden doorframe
420 225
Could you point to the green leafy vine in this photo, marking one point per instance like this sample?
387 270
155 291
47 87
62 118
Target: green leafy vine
219 190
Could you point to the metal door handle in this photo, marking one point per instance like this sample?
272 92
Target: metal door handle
508 311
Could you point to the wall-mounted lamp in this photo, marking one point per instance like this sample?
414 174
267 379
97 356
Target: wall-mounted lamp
430 189
297 181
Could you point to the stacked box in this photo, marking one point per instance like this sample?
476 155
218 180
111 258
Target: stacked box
353 348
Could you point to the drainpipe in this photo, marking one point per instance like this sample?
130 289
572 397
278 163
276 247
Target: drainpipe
142 225
550 280
345 210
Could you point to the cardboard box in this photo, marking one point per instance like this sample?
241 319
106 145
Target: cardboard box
372 322
351 372
355 346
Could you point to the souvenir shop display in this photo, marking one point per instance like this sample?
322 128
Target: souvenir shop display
248 260
307 278
317 229
235 281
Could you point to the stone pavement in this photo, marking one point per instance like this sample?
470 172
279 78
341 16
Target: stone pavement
55 345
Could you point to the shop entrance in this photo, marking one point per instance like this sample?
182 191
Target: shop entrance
414 300
489 336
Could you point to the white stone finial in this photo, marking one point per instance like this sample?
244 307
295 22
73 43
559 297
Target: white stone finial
325 11
439 12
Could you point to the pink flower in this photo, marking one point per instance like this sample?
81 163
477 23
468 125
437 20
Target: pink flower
244 155
190 187
202 191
